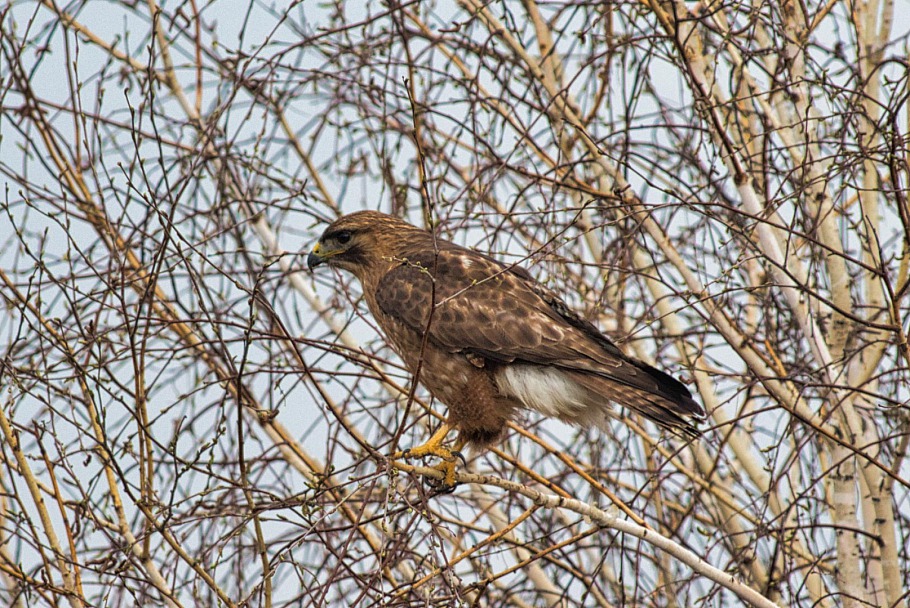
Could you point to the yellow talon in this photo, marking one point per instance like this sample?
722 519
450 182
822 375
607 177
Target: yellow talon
447 468
434 447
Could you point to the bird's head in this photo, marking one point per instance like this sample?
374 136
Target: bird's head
359 241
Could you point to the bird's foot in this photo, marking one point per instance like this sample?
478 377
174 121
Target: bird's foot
447 468
434 448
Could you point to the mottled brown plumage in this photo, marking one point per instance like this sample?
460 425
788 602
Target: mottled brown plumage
496 340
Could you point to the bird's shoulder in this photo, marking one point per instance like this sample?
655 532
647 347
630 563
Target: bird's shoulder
450 272
474 286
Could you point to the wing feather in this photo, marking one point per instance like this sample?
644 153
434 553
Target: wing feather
472 304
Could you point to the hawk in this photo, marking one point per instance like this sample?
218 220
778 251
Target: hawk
487 340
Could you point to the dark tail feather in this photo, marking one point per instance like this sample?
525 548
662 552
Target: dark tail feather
667 402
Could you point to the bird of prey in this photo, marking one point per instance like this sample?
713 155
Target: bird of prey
487 340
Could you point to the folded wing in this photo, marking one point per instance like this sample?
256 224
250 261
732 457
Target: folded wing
472 304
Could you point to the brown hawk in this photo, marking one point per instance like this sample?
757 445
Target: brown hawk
488 340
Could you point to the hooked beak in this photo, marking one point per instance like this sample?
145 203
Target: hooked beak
315 258
320 255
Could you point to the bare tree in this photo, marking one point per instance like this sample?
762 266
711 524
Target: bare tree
188 419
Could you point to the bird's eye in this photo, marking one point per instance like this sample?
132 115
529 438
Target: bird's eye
343 237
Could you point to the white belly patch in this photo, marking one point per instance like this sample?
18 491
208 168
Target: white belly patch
544 389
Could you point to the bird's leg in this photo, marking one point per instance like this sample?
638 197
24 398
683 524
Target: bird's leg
434 447
447 466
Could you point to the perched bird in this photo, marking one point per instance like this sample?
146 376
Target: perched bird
487 340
